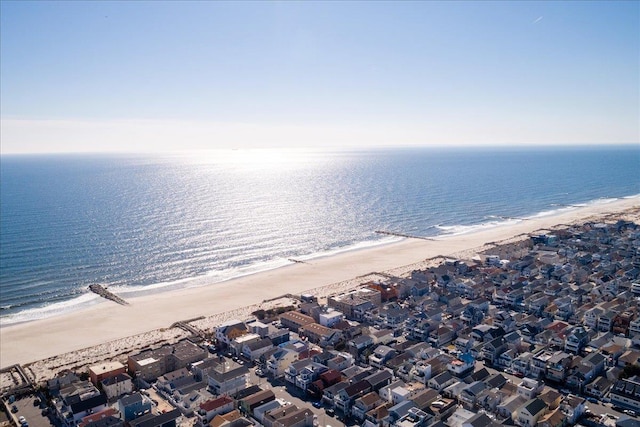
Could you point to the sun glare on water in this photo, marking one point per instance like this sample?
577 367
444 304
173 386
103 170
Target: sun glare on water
254 158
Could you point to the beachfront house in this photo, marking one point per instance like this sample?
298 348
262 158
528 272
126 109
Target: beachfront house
294 320
230 330
151 364
355 304
99 372
117 385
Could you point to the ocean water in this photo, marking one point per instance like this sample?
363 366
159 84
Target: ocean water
143 223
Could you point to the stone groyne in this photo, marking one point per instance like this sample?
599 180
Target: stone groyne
104 293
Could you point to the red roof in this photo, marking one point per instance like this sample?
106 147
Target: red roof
98 416
211 405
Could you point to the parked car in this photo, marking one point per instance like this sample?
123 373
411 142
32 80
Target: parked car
317 404
14 409
331 412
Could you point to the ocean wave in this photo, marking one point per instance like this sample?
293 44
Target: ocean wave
216 276
456 230
83 301
366 244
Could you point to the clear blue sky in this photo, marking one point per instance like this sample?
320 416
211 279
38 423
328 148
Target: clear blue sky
114 76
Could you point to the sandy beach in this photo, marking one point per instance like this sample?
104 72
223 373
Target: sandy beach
34 341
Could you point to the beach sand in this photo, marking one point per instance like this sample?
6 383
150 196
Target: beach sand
116 329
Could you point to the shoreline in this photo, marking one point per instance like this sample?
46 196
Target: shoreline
84 301
106 321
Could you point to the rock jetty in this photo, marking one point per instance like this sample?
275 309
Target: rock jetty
104 293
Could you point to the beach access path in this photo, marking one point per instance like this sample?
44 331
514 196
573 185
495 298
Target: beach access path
32 341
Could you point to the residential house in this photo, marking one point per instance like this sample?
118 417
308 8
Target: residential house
423 399
97 373
364 404
230 330
294 320
493 349
283 357
530 412
332 391
260 412
115 386
381 355
529 388
133 406
321 335
330 318
462 365
340 362
355 304
626 393
345 397
441 381
382 336
165 419
509 407
598 388
441 336
255 349
77 400
249 403
605 321
289 416
506 359
558 366
151 364
107 418
469 395
555 418
522 363
573 407
591 317
210 408
295 368
308 374
576 340
326 379
379 379
397 412
226 376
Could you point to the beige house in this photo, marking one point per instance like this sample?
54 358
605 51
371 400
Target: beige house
530 412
